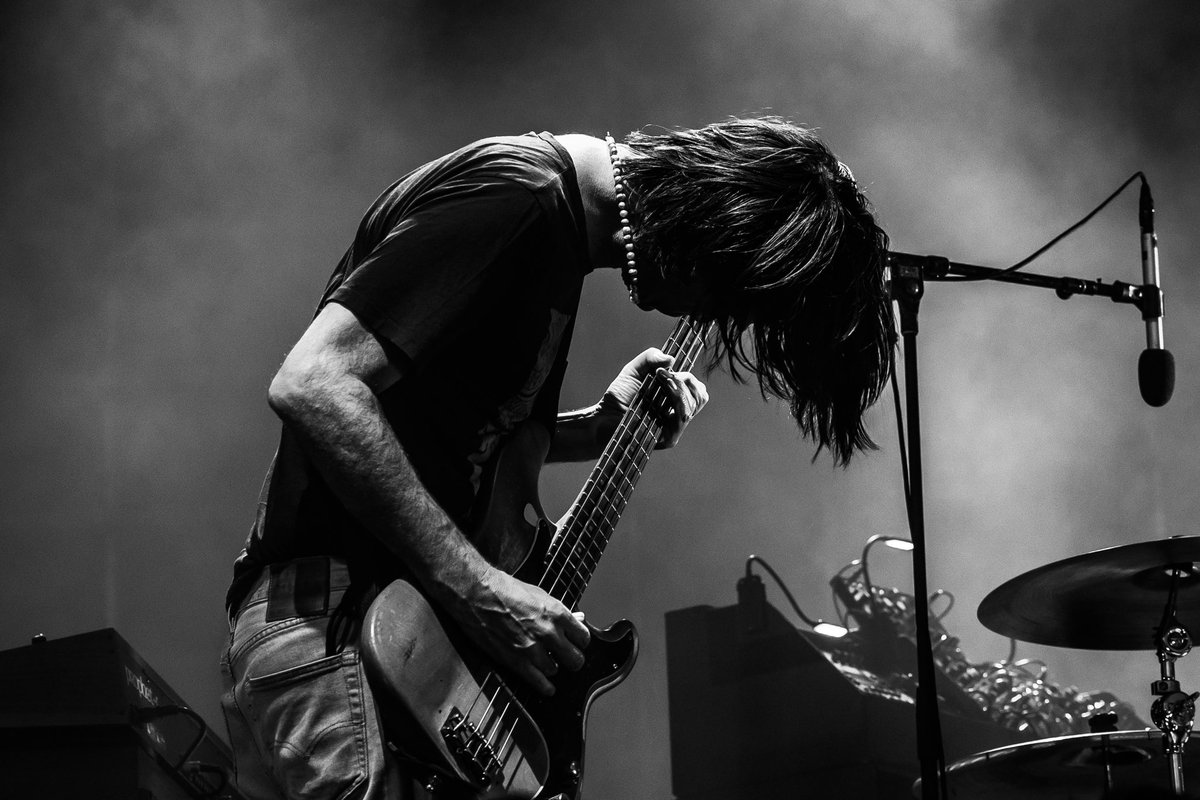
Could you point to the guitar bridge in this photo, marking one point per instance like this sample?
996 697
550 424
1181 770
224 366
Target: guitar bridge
473 752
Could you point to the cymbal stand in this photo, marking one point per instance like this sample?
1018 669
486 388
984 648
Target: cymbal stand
1173 712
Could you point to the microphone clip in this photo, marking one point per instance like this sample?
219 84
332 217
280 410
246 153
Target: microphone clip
1146 297
1150 301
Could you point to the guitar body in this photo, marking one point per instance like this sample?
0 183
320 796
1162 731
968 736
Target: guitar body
444 705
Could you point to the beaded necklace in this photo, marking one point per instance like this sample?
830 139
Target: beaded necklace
629 273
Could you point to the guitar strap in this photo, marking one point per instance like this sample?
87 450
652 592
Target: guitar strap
345 623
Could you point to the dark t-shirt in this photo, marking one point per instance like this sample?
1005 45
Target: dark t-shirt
468 271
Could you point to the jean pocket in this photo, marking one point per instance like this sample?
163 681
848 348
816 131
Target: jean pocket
286 677
310 727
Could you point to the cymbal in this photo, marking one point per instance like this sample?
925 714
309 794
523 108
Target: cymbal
1083 766
1110 599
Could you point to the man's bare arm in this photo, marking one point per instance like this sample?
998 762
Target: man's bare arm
326 393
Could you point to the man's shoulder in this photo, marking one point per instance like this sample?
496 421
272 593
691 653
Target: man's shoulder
533 160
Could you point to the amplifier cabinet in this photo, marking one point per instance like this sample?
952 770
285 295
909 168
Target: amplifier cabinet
86 717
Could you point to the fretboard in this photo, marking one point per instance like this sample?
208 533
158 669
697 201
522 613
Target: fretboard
586 529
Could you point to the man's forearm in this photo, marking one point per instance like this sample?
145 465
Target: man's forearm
341 426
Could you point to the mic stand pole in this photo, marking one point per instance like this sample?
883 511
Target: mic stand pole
907 288
907 276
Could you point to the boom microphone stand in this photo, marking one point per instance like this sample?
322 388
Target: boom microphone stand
907 276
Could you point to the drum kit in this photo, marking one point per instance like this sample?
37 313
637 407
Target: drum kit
1129 597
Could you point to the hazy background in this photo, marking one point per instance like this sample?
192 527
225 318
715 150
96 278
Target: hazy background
179 178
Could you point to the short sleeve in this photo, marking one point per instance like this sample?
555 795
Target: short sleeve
438 261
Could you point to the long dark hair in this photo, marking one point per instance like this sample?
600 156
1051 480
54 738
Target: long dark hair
774 228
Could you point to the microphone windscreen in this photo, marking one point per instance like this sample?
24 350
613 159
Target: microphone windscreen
1156 376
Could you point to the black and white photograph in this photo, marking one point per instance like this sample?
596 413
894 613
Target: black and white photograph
663 400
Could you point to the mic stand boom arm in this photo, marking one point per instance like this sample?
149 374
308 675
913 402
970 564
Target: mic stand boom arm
1147 298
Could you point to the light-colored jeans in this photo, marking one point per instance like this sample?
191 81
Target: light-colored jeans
302 725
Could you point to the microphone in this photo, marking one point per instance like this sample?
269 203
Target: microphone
1156 365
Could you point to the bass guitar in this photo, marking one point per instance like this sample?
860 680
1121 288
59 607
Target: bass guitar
444 705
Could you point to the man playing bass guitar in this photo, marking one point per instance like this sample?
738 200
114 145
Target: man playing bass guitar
442 335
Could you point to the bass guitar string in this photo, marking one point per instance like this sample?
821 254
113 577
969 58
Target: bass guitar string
504 750
575 564
565 561
484 722
645 425
605 499
561 558
614 499
614 481
494 677
618 483
620 436
494 723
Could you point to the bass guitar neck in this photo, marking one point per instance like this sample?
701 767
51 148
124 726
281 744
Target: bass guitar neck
444 705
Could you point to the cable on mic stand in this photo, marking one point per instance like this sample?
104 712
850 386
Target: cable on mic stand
995 275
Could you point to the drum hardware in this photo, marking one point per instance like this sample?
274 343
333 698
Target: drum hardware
1173 711
1107 600
1085 766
